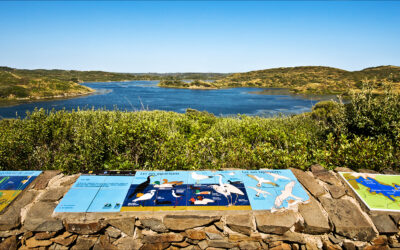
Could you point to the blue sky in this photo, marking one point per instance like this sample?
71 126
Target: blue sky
198 36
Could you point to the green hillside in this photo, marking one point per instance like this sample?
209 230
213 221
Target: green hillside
23 84
17 85
314 79
310 79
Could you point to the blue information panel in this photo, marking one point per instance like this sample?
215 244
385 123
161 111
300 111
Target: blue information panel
12 183
185 190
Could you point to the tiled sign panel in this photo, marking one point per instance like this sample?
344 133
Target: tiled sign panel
12 183
379 192
185 190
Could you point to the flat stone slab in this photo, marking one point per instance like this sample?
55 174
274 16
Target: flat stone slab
240 223
315 221
309 182
39 218
275 223
384 224
183 222
11 218
348 219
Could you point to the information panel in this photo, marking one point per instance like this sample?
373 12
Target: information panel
185 190
12 183
377 191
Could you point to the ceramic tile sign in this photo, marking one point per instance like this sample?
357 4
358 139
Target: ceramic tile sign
12 183
273 189
378 192
91 193
111 194
217 190
158 190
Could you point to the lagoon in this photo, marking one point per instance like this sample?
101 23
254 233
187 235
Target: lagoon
146 95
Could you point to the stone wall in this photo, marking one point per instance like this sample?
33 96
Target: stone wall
333 219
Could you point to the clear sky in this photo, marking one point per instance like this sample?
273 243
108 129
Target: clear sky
198 36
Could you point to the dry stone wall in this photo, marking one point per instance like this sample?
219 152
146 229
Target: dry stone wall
333 219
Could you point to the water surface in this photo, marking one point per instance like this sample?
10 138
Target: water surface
140 95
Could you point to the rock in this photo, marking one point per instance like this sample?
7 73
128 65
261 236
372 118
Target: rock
316 168
6 234
219 225
128 243
343 169
220 244
32 243
376 248
315 221
44 235
84 227
328 177
69 180
240 223
276 223
181 244
281 246
191 247
43 179
84 243
161 238
348 245
348 219
329 246
380 240
155 246
104 243
195 234
113 232
38 218
395 218
58 247
367 171
126 225
336 191
183 222
65 239
154 224
309 182
11 216
213 234
236 237
249 245
384 224
9 243
390 171
203 244
54 194
289 236
334 239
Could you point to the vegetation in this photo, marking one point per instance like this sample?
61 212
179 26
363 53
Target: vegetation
22 84
365 133
195 84
312 80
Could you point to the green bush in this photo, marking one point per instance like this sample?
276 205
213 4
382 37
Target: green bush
361 134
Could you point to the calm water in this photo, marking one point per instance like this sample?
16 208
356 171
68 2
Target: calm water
139 95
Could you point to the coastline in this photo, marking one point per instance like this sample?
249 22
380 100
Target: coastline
17 101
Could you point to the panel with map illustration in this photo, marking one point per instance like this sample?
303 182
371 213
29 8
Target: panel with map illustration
377 191
12 183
